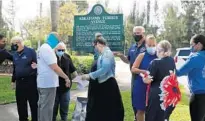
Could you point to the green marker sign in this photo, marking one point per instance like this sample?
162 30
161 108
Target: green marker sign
98 20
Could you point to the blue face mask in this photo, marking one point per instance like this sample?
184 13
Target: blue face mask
192 49
151 50
52 40
59 53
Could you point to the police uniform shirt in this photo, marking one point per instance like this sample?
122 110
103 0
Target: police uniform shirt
22 64
134 51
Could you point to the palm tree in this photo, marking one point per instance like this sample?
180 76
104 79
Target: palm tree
54 14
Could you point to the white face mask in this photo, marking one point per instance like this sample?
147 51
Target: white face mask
151 50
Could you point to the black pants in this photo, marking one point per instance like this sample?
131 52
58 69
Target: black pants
26 90
197 107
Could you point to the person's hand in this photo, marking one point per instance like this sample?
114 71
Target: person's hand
67 82
81 78
85 77
34 65
145 74
118 54
147 80
13 85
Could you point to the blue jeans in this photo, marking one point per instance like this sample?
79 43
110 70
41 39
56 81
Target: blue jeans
62 100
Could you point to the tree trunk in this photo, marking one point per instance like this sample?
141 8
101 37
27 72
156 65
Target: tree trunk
148 12
1 20
54 15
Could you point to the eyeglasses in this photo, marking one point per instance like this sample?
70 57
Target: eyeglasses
63 50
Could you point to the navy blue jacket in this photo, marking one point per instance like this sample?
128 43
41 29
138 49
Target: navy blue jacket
22 64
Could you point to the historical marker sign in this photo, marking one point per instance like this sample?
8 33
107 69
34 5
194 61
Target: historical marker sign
98 20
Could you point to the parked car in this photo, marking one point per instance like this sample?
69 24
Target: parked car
181 56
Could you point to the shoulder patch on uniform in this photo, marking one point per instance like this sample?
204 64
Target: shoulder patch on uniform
142 49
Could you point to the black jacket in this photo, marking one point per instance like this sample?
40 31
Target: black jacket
66 64
4 54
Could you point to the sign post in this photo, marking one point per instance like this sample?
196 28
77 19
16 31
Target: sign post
98 20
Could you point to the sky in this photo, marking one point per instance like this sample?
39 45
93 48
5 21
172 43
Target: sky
28 9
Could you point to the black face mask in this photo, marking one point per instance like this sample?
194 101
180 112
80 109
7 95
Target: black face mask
2 46
138 37
14 47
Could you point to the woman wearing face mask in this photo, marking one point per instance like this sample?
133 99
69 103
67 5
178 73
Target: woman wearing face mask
159 70
140 66
93 84
62 98
108 102
195 68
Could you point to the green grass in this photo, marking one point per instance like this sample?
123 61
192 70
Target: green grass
7 95
181 112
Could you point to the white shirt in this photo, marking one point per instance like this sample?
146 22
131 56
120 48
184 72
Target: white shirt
46 78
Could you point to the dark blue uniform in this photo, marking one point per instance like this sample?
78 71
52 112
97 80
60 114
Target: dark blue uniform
134 51
26 86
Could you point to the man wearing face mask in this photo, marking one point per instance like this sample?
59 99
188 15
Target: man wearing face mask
63 93
24 79
135 49
3 53
47 79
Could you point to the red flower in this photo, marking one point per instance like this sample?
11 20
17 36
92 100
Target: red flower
170 93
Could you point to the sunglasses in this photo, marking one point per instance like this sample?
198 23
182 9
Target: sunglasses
63 50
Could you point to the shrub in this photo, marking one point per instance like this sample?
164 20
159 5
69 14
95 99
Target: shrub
82 63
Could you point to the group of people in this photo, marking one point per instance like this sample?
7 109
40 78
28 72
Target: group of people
151 66
44 79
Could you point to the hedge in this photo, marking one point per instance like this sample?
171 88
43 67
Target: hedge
82 63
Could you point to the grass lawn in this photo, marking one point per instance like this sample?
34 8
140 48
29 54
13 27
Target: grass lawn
181 113
7 95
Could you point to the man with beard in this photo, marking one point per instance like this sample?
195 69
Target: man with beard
4 54
134 50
